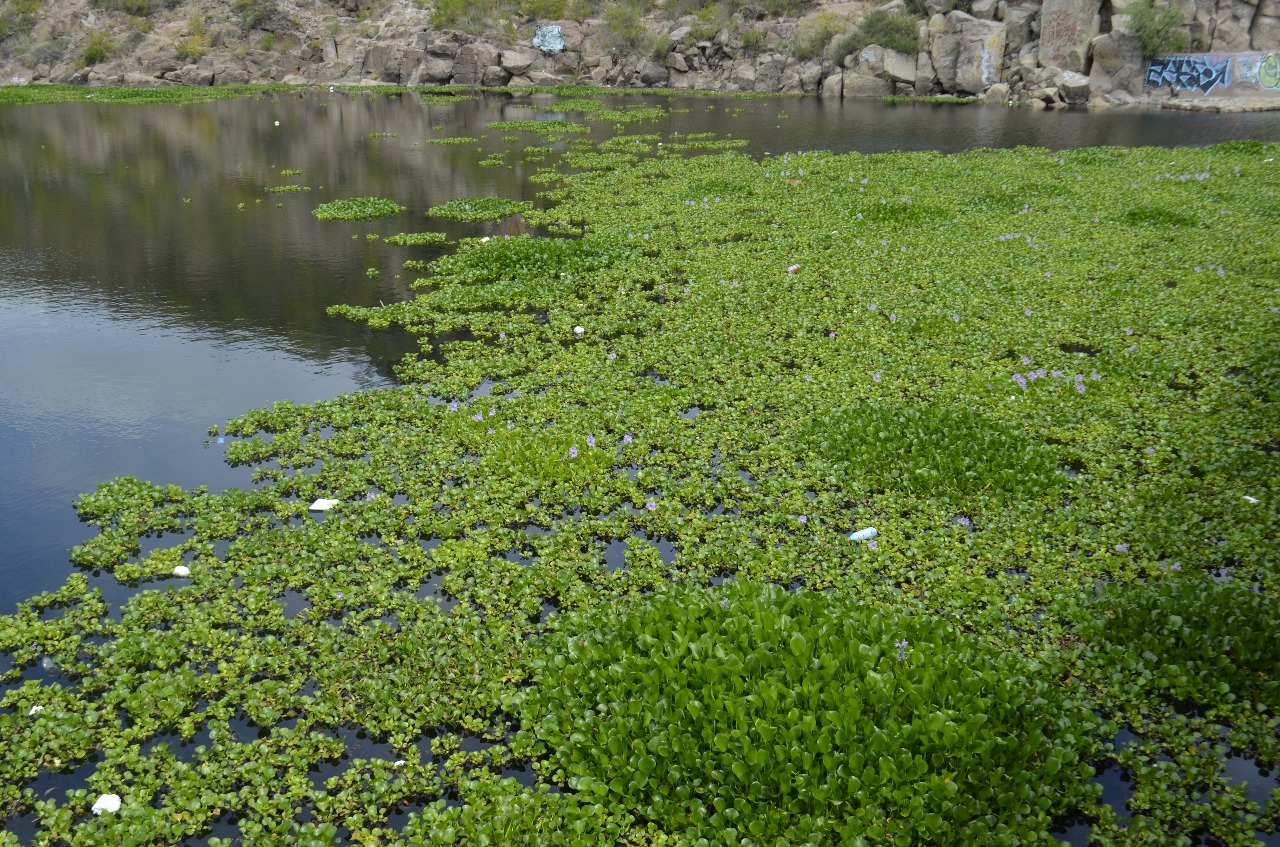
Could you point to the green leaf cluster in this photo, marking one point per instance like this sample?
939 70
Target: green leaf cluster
1188 638
753 715
933 450
357 209
479 209
408 239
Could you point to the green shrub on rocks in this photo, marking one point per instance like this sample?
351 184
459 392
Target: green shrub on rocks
1159 31
890 30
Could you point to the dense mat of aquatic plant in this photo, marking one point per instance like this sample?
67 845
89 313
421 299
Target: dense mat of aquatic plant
479 209
1189 638
588 423
406 239
931 450
750 715
357 209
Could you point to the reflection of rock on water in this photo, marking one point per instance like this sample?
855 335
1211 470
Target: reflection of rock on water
514 226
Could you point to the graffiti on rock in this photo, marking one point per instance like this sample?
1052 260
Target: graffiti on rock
1269 71
1189 73
1242 73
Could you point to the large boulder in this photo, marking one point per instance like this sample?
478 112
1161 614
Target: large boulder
1066 28
857 85
967 53
944 50
769 69
651 74
984 10
868 62
495 76
925 75
1019 24
981 60
832 86
1266 32
1074 87
1117 65
517 60
899 67
472 61
428 70
1234 20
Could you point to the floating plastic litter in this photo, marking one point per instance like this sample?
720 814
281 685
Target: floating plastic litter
107 803
323 505
864 534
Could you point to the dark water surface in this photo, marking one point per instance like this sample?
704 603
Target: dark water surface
150 287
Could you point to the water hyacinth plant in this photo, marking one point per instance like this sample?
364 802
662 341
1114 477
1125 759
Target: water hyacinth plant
357 209
757 716
709 369
479 209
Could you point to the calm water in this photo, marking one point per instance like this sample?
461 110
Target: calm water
150 287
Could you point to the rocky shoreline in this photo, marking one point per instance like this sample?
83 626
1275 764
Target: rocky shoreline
1000 51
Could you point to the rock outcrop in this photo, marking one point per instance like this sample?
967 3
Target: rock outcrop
1048 53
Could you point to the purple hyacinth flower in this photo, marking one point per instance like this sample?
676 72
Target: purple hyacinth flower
903 647
873 545
1021 380
453 406
502 335
591 441
803 519
626 439
652 505
1026 360
478 416
573 452
1122 548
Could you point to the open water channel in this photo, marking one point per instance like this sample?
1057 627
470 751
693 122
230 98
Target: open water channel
151 287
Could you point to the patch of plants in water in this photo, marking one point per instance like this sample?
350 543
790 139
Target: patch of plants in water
357 209
643 398
475 209
752 715
933 450
410 239
1188 638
